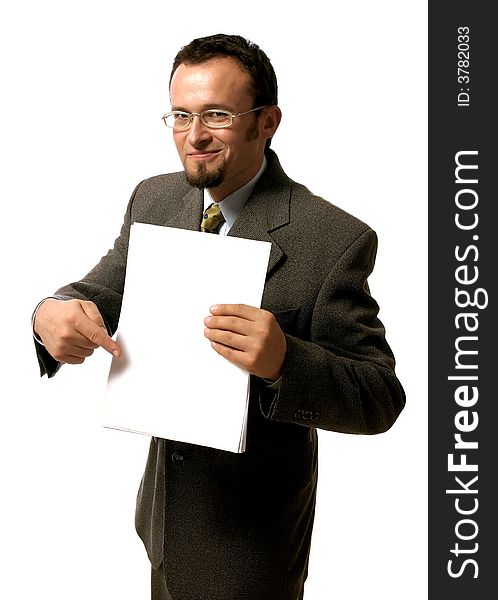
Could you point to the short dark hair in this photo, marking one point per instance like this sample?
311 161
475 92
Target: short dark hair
249 55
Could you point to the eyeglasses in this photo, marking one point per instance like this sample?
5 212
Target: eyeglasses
215 118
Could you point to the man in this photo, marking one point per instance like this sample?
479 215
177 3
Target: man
217 525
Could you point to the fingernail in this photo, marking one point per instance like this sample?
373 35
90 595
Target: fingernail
214 308
115 353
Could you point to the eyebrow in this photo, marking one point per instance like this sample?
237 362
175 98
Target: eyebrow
205 107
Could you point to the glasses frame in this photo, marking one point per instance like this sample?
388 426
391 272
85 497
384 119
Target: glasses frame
191 116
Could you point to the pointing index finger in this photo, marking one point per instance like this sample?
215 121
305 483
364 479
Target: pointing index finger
99 336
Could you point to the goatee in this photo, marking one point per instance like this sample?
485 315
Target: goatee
202 178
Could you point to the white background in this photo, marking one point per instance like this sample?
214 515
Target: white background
84 87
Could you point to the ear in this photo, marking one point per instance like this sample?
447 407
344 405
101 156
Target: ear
270 121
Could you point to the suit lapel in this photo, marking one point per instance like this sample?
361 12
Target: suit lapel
189 217
266 210
249 226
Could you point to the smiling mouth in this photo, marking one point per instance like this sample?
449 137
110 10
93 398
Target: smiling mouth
203 155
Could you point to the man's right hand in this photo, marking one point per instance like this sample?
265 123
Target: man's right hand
72 329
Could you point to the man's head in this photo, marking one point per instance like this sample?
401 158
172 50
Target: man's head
233 74
249 55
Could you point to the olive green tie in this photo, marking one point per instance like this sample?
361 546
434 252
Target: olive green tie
212 219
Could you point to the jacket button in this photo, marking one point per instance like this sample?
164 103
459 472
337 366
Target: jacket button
176 457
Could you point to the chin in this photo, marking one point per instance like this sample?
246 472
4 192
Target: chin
201 177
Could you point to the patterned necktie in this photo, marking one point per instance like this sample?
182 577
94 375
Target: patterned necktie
212 219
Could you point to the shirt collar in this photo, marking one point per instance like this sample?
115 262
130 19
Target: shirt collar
232 205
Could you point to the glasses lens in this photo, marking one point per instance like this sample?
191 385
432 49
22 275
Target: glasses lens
217 118
177 120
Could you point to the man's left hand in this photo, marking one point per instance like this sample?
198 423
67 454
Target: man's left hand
248 337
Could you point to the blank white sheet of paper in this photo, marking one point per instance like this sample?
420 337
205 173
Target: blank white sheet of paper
170 382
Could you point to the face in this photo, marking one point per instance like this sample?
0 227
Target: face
220 159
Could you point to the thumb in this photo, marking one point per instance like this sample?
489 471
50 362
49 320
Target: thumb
99 334
92 312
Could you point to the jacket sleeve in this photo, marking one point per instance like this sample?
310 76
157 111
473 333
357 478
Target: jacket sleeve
103 285
341 379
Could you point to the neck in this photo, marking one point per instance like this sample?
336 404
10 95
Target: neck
228 187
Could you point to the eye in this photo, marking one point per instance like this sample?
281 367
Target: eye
177 119
217 114
181 118
217 117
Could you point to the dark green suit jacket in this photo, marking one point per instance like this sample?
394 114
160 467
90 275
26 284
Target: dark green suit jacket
236 526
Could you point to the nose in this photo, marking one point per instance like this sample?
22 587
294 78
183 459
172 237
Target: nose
198 133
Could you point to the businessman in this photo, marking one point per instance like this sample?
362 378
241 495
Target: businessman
218 525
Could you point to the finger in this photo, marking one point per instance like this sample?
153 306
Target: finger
77 356
227 338
73 339
98 335
90 308
92 312
72 360
238 310
82 351
69 343
85 344
231 323
236 357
